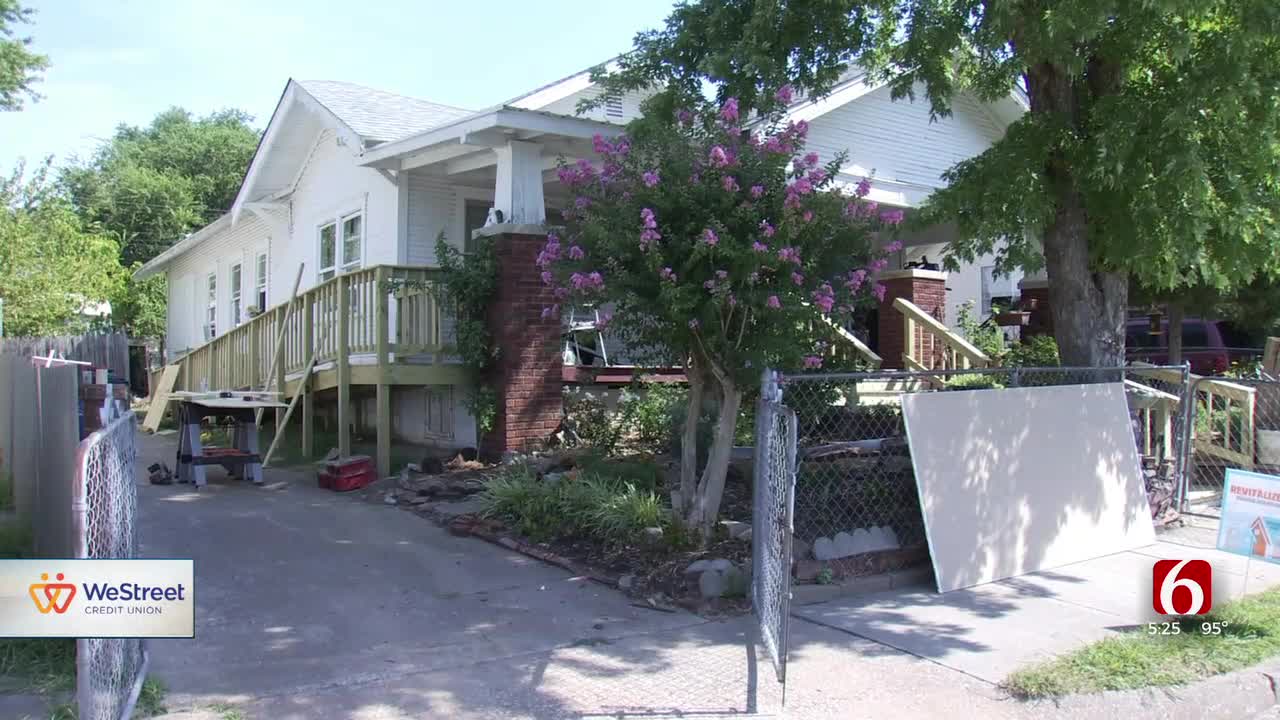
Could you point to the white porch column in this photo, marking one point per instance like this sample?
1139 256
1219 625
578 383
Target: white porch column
518 190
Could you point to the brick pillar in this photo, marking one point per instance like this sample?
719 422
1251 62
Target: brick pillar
925 288
527 375
1035 299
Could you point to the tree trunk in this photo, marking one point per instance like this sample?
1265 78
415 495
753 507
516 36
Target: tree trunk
706 506
1175 312
1089 307
683 499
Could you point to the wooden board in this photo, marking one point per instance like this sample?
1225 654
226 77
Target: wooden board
234 403
1024 479
160 398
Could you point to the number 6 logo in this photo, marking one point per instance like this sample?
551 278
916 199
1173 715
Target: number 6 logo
1193 577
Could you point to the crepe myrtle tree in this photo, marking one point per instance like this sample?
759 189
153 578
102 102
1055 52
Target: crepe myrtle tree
723 249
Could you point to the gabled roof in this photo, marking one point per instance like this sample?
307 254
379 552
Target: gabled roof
543 96
378 116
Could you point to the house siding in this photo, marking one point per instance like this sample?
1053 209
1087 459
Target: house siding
432 210
897 140
631 102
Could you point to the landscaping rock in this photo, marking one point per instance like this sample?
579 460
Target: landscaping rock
651 536
824 549
843 545
697 566
720 582
413 467
736 529
720 564
389 498
626 581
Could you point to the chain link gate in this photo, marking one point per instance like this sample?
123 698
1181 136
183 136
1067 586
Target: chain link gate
772 526
109 671
1231 423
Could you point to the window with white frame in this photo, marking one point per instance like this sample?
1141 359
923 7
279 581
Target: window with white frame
237 305
211 307
347 248
260 282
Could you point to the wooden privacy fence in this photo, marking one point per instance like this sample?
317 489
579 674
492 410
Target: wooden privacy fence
373 311
104 350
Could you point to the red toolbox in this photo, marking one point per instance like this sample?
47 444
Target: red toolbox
350 473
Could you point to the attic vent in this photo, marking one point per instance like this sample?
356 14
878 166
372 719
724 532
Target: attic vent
613 107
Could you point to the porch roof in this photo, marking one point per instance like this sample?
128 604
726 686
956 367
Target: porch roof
482 132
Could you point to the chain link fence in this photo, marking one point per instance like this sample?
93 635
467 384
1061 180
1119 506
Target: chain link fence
1233 423
109 671
772 522
857 511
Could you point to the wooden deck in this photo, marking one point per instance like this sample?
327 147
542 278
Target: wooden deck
379 326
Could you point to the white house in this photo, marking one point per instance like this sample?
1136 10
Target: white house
348 178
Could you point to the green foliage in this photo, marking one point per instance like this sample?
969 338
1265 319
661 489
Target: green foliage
1219 421
1035 351
1250 634
592 423
466 287
19 67
656 410
986 336
587 503
51 265
16 541
1148 151
975 381
825 576
151 699
42 664
138 306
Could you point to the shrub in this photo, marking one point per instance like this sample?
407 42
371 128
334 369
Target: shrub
1035 351
625 512
587 415
974 381
524 502
655 412
644 474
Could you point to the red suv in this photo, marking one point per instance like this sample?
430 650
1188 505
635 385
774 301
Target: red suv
1202 345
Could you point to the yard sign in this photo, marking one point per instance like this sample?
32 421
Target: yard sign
1251 515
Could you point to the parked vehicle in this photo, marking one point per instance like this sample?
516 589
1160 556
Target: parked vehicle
1203 345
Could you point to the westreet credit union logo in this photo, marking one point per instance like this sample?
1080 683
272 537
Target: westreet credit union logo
52 596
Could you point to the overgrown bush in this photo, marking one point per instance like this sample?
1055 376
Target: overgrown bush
974 381
655 410
589 504
1035 351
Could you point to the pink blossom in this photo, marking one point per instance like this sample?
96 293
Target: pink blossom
582 202
667 274
893 247
789 254
856 278
646 214
811 159
759 247
757 191
709 237
775 145
798 130
730 110
753 278
864 188
891 217
801 186
684 117
730 184
590 281
719 158
733 301
824 297
783 95
623 146
603 321
600 145
878 264
797 278
878 290
722 274
812 361
791 201
808 216
576 253
552 311
817 175
562 293
773 302
709 285
767 229
651 178
547 277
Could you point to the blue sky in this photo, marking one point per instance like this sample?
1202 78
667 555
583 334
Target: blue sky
115 62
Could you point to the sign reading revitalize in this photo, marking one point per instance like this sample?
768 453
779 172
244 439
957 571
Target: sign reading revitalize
97 598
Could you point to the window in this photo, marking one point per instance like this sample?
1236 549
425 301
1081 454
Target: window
211 307
236 305
475 213
350 244
996 290
328 248
260 283
352 237
613 107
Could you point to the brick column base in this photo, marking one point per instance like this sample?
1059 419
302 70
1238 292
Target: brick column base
924 288
1035 299
527 374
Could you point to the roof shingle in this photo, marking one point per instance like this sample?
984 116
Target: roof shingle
377 115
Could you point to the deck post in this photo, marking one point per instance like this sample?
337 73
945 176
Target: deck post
308 398
255 354
382 318
342 349
280 319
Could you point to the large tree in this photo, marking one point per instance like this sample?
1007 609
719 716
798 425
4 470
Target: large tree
50 265
721 249
20 68
148 187
1148 153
